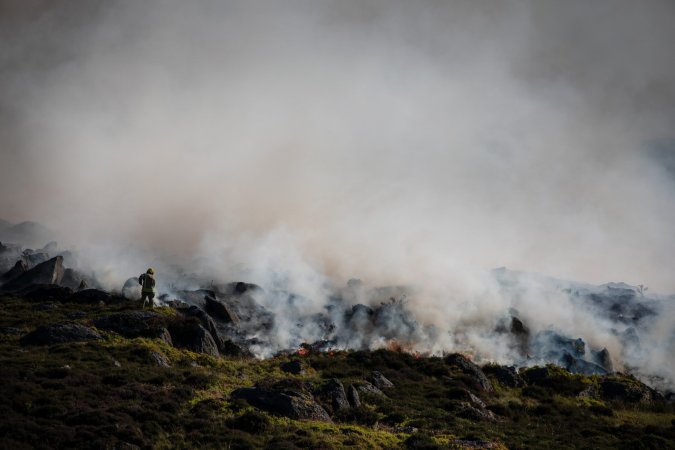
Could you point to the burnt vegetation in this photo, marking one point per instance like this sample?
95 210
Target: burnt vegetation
133 388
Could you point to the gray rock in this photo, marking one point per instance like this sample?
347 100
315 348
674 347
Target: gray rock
335 391
220 310
19 269
366 388
292 404
353 396
192 336
507 375
131 289
579 365
58 333
160 360
603 359
470 369
42 292
133 324
626 390
380 381
471 412
49 272
74 279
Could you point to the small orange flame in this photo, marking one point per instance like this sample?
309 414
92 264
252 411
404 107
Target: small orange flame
302 351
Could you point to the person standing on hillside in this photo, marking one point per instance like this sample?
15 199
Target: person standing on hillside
147 281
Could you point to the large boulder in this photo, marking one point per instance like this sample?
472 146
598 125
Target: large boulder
579 365
45 292
380 381
220 310
626 389
506 375
19 269
191 335
134 324
49 272
75 280
288 403
470 369
131 289
334 392
59 333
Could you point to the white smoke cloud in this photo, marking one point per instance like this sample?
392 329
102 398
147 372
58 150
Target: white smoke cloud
302 143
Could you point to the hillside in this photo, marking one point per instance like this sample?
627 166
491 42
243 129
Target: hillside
114 378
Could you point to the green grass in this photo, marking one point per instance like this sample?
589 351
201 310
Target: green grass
103 394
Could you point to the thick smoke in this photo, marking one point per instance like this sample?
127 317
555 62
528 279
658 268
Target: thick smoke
298 144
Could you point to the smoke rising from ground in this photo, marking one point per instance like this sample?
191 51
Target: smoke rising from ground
302 143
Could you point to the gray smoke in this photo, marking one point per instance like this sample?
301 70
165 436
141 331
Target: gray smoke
297 144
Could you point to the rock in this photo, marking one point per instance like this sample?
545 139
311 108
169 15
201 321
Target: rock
335 390
165 336
507 375
380 381
291 404
294 367
58 333
578 365
353 396
626 389
133 324
19 269
33 259
42 292
73 279
160 360
603 359
220 310
192 336
131 289
366 388
49 272
475 413
471 370
229 348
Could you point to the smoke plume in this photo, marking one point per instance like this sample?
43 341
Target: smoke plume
299 144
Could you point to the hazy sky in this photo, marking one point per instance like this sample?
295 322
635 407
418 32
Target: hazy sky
393 140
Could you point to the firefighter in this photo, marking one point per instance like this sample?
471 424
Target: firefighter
147 281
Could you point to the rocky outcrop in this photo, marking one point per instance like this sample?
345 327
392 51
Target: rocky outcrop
368 389
578 365
131 289
353 396
380 381
19 269
45 292
133 324
627 390
334 391
470 369
292 404
506 375
220 310
49 272
59 333
603 359
191 335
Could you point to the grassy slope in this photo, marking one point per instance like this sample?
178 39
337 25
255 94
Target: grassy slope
111 395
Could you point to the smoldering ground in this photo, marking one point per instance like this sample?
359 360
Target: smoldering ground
298 144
